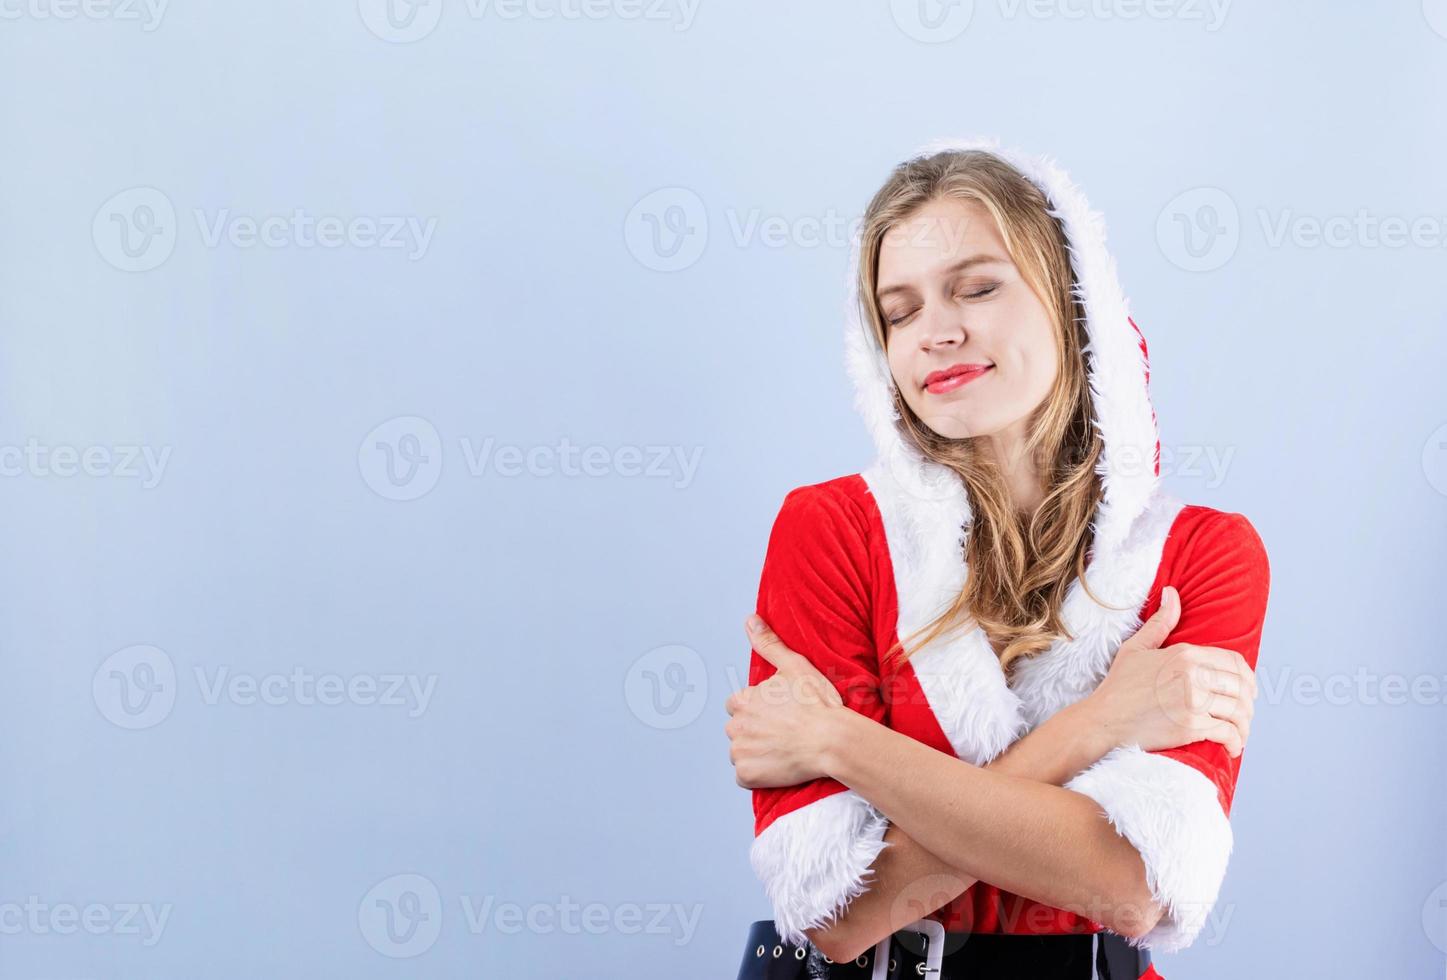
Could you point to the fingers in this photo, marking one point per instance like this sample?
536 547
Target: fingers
1224 663
1153 632
1228 735
737 700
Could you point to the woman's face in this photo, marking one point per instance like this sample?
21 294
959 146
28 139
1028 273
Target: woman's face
953 302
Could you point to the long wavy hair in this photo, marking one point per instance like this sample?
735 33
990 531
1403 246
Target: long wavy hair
1020 565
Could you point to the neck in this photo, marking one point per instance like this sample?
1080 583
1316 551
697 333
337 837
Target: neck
1022 477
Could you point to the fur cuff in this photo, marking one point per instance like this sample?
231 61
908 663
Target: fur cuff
813 860
1170 813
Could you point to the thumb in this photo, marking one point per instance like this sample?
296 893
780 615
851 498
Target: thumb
768 645
1153 632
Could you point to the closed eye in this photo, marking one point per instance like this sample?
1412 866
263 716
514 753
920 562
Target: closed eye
978 294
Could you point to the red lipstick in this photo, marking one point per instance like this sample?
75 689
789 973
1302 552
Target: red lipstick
953 377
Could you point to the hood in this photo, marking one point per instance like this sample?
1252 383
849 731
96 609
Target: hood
1116 357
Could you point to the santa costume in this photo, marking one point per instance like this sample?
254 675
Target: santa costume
857 562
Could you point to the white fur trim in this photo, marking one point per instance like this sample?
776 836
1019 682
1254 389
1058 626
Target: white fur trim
1171 814
1121 577
813 860
959 672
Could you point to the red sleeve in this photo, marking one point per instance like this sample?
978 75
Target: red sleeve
1219 567
815 592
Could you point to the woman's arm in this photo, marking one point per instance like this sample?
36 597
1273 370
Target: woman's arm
1031 838
909 881
1140 841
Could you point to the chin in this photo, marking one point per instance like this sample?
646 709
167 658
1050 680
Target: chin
951 428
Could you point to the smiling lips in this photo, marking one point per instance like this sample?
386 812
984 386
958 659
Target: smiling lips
955 376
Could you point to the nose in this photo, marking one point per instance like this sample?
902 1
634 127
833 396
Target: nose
942 328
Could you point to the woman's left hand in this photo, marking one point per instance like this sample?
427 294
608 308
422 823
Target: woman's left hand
778 727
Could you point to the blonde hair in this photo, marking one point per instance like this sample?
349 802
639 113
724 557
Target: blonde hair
1020 566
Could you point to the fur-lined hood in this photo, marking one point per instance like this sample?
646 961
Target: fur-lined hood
926 511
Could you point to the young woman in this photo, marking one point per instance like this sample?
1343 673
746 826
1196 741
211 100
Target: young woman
1002 681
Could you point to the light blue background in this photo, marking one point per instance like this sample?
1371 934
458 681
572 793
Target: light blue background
542 770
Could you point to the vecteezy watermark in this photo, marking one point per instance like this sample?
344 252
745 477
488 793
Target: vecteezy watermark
1434 917
1364 687
39 918
401 916
1435 13
667 229
571 460
300 686
144 463
137 230
147 12
667 687
137 687
405 21
1434 459
932 21
1212 464
938 21
401 459
302 229
1363 229
572 918
1210 13
1200 229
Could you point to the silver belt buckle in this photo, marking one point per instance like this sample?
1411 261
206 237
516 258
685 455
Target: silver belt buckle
934 933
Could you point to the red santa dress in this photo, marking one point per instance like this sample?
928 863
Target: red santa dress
856 562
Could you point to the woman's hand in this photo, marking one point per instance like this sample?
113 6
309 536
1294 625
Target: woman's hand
778 727
1165 697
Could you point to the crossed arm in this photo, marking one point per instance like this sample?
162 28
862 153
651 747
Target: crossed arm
909 880
851 816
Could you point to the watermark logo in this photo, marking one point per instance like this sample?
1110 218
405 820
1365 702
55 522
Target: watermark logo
667 687
401 916
1198 230
932 21
1434 459
401 459
135 230
1435 12
135 688
667 230
400 21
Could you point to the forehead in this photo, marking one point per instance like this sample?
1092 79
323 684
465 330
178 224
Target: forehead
936 236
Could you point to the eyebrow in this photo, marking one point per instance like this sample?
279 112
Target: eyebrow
959 266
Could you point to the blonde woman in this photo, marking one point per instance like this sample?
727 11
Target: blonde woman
1002 680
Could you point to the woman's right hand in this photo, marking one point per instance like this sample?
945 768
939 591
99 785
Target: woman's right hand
1164 697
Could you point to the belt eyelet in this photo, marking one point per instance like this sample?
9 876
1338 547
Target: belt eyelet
778 951
800 952
862 959
760 950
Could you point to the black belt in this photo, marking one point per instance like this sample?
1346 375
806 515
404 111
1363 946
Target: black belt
924 951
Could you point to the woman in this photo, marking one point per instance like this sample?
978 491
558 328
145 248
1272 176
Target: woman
1011 756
